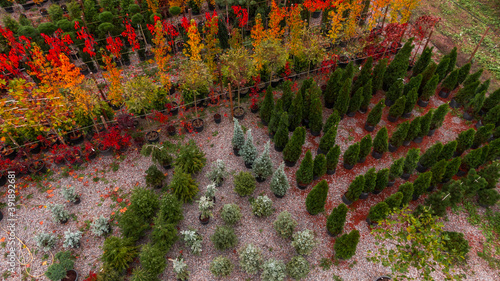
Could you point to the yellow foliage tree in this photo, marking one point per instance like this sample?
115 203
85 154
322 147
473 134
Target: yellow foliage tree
113 75
401 10
160 50
194 43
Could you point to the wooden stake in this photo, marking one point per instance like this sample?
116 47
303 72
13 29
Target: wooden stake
230 99
385 14
97 84
428 39
478 44
12 139
104 122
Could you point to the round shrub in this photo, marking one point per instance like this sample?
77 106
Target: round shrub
488 197
231 214
55 12
456 245
164 234
224 238
65 25
105 27
174 10
297 267
183 186
244 183
221 266
28 31
273 270
191 159
133 9
262 206
304 242
394 201
132 225
106 16
378 212
47 28
250 259
144 202
118 252
137 19
285 224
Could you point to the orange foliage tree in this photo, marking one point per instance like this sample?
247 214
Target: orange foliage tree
160 50
193 45
113 75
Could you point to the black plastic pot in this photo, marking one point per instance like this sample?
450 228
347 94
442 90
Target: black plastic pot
316 14
362 160
1 216
392 119
405 176
351 114
479 124
369 128
418 139
290 164
277 148
376 192
383 278
152 137
236 151
319 151
305 122
275 83
422 103
389 102
254 109
444 94
198 125
431 188
377 155
77 200
364 195
392 148
171 130
406 143
217 118
279 196
331 172
38 167
174 109
329 105
300 186
346 201
249 166
9 153
454 104
431 132
348 167
315 133
104 152
415 197
259 179
467 116
461 173
420 168
406 115
204 221
239 113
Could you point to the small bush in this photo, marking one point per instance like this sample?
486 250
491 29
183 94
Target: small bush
244 183
488 197
293 148
394 201
238 139
193 240
456 245
336 220
351 155
376 113
221 266
45 241
224 238
132 225
370 180
217 172
279 182
248 152
304 174
414 130
250 259
164 234
396 169
429 158
183 186
355 188
285 224
190 159
411 160
69 194
448 150
170 209
332 158
118 252
58 212
297 267
273 270
319 165
345 245
154 177
381 141
57 271
316 199
263 166
382 179
407 190
153 259
231 214
262 206
304 242
144 202
180 269
378 212
100 226
365 146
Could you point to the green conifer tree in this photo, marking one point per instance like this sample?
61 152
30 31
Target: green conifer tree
367 96
364 75
411 160
356 100
279 182
438 116
423 61
316 116
395 91
351 154
453 60
319 166
336 220
333 87
465 94
450 82
327 141
429 71
399 135
332 120
438 171
355 188
281 137
407 190
421 183
365 146
414 83
399 65
332 159
430 88
382 180
414 130
370 180
316 199
425 123
381 141
448 150
464 141
411 100
238 139
463 72
263 166
248 151
451 169
293 148
442 68
378 75
287 96
267 107
397 108
342 102
304 174
295 112
376 113
430 156
396 169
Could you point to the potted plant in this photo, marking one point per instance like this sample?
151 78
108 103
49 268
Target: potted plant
398 136
7 151
374 116
304 174
351 156
449 84
316 199
154 177
58 213
62 270
396 109
377 213
210 192
217 172
279 182
248 151
70 195
73 155
336 220
262 167
88 151
293 148
354 191
205 205
160 154
37 167
72 239
238 139
152 136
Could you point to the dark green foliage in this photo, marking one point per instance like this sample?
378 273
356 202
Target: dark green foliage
118 252
453 60
379 211
65 25
425 123
482 135
332 158
132 226
164 234
170 209
438 171
430 88
224 238
378 75
364 75
473 159
275 117
488 197
370 180
342 102
57 270
356 100
333 86
463 73
304 174
398 107
438 116
456 190
423 61
137 19
287 96
183 186
336 220
153 259
10 23
464 140
316 116
244 183
399 135
412 84
154 177
351 155
365 146
474 106
144 203
491 173
348 72
345 245
355 188
190 159
395 91
492 100
456 245
407 190
427 75
394 201
381 141
465 94
492 116
442 68
332 120
316 199
223 34
28 31
47 28
473 78
451 169
55 12
297 267
295 112
319 165
306 84
382 179
430 156
438 202
134 9
451 81
399 65
448 150
376 113
367 95
473 182
411 100
267 107
281 137
411 160
494 151
311 93
421 183
396 169
328 139
293 148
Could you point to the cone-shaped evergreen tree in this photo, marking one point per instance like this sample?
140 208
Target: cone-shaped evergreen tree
263 166
342 102
223 34
304 174
430 88
395 90
238 137
381 141
327 141
451 169
293 148
367 96
313 93
365 146
378 75
427 75
356 100
453 60
316 199
275 118
448 150
319 165
332 120
474 77
474 106
438 171
349 72
267 107
382 179
281 137
332 158
399 135
316 116
484 86
333 86
398 107
491 173
411 160
414 130
336 220
430 156
450 82
464 141
376 113
351 154
463 72
423 61
399 65
345 245
396 169
493 115
355 188
425 123
438 116
394 201
414 83
411 100
248 151
279 182
492 100
465 94
287 96
494 151
295 112
364 75
482 135
407 190
306 84
378 212
442 68
421 183
474 158
370 180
